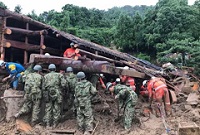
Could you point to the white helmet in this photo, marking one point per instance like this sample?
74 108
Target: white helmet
101 75
117 80
144 82
47 54
153 77
2 62
126 67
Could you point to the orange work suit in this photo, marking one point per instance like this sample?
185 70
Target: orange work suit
131 83
70 53
158 91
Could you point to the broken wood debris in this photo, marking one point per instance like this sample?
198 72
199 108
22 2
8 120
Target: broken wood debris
56 131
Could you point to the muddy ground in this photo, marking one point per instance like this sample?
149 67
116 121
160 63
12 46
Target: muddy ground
150 125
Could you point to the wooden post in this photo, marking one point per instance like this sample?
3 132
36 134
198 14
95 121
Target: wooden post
26 42
2 49
41 43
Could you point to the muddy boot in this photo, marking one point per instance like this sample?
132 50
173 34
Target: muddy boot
55 124
126 131
48 126
17 115
87 133
33 123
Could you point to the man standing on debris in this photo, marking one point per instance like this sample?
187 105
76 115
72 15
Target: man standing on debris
127 80
157 91
71 80
127 100
15 70
84 90
33 94
70 52
52 93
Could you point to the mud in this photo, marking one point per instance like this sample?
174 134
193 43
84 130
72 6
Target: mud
105 111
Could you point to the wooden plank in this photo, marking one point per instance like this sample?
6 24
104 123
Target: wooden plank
32 47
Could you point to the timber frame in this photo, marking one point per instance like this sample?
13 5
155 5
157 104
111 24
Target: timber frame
21 36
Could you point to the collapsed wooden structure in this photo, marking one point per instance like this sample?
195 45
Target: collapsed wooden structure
21 36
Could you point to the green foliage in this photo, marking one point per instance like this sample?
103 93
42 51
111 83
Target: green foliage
18 9
170 28
143 56
2 5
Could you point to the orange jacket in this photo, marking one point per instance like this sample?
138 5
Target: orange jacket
131 82
70 53
102 83
156 88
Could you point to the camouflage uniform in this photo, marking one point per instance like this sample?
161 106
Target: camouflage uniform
127 101
71 80
33 95
84 90
52 86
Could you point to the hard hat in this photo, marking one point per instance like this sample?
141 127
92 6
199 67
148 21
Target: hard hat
101 75
52 66
69 69
153 77
80 75
37 68
144 82
117 80
71 44
108 85
126 67
47 54
2 62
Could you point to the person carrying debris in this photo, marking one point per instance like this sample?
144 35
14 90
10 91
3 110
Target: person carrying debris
71 80
84 91
33 94
127 100
158 91
52 94
15 71
127 80
70 52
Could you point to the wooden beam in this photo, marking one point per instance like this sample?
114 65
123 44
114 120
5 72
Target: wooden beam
31 47
26 42
26 31
41 43
97 57
2 49
90 66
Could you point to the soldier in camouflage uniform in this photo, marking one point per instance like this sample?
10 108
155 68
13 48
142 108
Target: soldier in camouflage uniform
71 80
84 90
52 86
33 94
127 101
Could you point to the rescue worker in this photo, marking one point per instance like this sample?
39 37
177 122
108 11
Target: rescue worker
127 80
97 78
127 100
84 90
143 89
157 92
117 81
33 95
70 52
52 92
15 71
71 80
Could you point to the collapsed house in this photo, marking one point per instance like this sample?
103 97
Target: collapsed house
25 40
22 36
